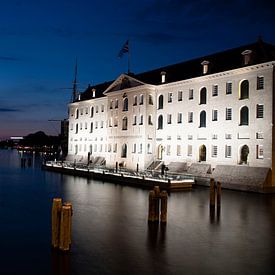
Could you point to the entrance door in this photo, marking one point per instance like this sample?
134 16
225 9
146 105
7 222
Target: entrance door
202 152
244 154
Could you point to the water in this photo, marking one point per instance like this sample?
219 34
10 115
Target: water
111 234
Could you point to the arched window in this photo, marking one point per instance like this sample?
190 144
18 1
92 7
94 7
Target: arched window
244 151
116 103
141 100
203 95
76 149
124 151
244 115
150 100
92 127
150 121
76 128
160 122
202 153
124 123
135 100
244 89
76 114
92 112
125 104
141 120
160 102
202 119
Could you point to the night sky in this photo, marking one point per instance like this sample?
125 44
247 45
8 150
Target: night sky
40 41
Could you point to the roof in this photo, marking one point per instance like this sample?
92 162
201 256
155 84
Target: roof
218 62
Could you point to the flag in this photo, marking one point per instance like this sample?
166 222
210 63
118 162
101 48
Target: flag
124 49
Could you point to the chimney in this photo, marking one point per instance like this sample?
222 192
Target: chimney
205 66
163 76
93 90
247 57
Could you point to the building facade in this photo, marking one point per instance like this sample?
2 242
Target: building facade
216 110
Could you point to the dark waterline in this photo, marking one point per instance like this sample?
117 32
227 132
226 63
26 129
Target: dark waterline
111 234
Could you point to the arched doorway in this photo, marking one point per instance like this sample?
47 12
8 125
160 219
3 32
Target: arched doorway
160 151
244 152
202 153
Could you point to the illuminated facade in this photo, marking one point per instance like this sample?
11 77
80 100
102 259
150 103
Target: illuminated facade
216 109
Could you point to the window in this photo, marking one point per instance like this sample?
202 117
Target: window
109 148
86 110
115 122
170 95
101 124
72 126
203 95
190 117
124 151
125 104
134 120
202 119
160 122
260 151
244 89
96 109
169 119
81 113
141 97
228 151
260 82
191 94
76 114
150 100
190 137
140 148
179 117
214 151
86 125
115 148
189 150
260 111
92 127
96 124
228 114
214 90
179 95
228 88
214 115
135 101
178 150
92 112
141 120
134 148
150 121
244 116
111 104
228 136
214 136
76 128
124 123
168 150
102 108
149 148
160 102
259 135
116 103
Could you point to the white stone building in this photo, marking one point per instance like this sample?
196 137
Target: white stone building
216 110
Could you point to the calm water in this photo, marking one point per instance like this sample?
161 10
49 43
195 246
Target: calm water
111 234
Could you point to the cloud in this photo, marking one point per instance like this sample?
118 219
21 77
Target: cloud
9 110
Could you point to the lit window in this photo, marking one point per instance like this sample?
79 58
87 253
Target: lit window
190 117
228 151
169 119
214 115
179 95
214 90
260 111
228 113
214 151
260 83
228 88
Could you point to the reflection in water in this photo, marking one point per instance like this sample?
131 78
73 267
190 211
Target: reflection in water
60 263
156 233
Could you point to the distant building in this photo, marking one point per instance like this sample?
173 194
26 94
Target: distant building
215 113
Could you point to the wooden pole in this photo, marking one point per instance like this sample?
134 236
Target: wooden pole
212 193
64 240
151 211
164 199
219 192
70 224
56 214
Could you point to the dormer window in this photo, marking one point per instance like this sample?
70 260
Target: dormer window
163 77
205 66
247 57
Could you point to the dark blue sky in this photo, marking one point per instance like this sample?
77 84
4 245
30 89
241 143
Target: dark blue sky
41 39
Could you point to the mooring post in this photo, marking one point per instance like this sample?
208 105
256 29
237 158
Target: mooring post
156 199
163 213
219 192
70 224
64 240
56 215
151 211
116 166
212 193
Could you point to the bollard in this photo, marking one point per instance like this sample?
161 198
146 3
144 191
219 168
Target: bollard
56 214
156 206
157 191
64 239
151 211
212 193
70 224
163 213
219 192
